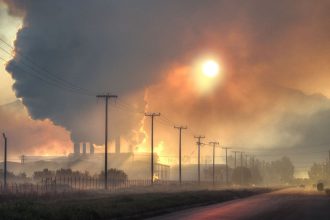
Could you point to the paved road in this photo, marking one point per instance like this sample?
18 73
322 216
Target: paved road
293 204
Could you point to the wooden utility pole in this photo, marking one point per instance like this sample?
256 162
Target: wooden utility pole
241 168
214 144
329 162
180 128
246 160
152 115
226 149
5 163
199 143
106 97
235 152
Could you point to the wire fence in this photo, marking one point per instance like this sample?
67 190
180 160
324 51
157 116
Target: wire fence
67 184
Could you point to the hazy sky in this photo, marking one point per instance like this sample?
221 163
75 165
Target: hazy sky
272 91
8 28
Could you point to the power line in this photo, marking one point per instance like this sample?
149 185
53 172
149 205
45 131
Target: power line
8 103
40 68
46 81
43 74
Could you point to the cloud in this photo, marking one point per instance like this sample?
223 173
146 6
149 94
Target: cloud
274 56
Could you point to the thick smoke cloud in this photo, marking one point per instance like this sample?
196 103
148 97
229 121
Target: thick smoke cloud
274 53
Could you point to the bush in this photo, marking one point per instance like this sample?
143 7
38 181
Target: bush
320 187
115 176
241 176
327 192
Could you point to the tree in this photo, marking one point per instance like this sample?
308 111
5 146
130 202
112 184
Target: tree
11 177
316 172
45 173
115 176
256 176
284 168
241 176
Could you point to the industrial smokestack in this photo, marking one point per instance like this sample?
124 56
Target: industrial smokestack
91 148
117 144
84 148
76 148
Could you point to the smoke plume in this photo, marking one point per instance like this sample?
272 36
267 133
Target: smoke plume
274 55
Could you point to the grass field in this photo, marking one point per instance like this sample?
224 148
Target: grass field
100 205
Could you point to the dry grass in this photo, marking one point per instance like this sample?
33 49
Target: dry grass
100 205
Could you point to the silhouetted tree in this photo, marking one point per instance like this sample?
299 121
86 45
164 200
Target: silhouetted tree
241 176
11 177
316 172
115 176
45 173
284 168
256 176
278 171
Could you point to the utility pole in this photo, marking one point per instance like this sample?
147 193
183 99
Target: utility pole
199 143
107 97
213 165
235 157
5 163
180 128
241 168
329 162
152 115
246 160
23 159
226 148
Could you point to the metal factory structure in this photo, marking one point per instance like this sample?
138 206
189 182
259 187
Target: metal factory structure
84 158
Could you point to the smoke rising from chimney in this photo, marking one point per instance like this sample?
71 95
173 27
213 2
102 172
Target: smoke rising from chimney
123 47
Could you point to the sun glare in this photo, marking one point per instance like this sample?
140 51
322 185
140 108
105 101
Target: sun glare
210 68
207 73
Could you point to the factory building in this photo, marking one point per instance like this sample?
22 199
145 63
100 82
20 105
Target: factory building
84 158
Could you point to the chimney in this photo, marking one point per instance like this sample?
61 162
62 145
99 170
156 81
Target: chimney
84 148
91 148
76 148
117 145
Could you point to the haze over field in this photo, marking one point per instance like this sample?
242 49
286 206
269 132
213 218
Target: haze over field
272 90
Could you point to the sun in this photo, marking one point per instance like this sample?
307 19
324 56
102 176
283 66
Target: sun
210 68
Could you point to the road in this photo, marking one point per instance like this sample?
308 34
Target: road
285 204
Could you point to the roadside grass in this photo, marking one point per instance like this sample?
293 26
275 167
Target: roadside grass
90 206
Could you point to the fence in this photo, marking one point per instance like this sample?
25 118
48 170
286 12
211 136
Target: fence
64 184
